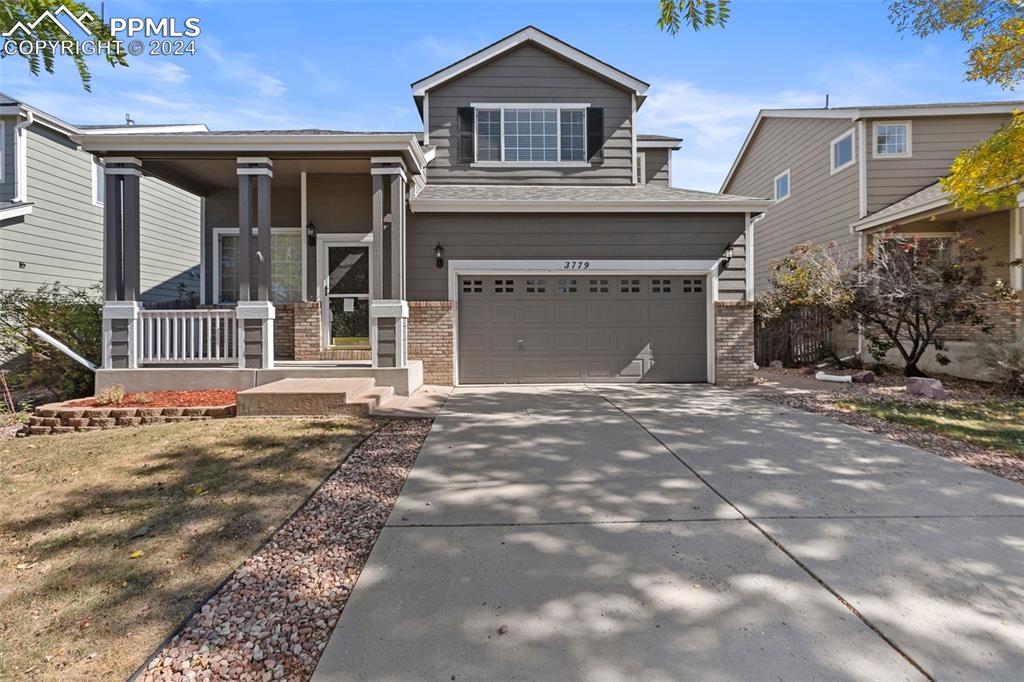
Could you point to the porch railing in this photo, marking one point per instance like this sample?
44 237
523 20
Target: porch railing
188 336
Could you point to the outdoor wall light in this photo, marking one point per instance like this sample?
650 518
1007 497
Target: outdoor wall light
311 234
439 255
728 255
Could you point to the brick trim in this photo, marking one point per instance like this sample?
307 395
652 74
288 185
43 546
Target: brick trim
432 339
734 343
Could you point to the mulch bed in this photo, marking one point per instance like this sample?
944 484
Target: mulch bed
167 399
273 617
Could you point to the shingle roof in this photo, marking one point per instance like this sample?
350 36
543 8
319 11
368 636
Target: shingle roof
665 138
931 197
606 193
935 105
94 126
298 131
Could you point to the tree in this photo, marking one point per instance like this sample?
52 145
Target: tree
697 14
26 12
992 173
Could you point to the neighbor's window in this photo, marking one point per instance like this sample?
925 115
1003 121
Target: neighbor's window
892 139
782 185
98 182
842 152
531 134
285 267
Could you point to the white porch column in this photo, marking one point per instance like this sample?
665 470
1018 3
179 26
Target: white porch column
255 317
121 271
389 313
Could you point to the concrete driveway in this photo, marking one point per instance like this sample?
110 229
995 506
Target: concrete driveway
682 532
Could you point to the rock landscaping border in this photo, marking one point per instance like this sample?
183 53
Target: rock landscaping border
61 418
272 617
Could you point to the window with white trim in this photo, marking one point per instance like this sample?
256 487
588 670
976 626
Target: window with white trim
781 185
641 168
98 182
891 139
286 246
531 134
3 149
843 152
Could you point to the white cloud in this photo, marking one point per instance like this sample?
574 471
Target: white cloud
239 68
162 72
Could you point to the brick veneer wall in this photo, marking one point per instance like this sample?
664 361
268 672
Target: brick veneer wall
284 333
306 326
1004 318
734 343
432 340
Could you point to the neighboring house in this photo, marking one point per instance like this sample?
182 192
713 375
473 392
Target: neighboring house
527 234
51 210
852 175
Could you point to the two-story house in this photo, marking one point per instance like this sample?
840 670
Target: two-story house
854 175
526 234
51 210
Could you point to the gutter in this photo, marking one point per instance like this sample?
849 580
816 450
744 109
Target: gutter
575 206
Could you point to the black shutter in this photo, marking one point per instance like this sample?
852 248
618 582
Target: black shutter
466 151
595 134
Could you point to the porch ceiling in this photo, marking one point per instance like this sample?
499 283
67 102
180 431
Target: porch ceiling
204 174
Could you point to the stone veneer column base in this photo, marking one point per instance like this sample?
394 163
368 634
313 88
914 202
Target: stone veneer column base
734 343
432 340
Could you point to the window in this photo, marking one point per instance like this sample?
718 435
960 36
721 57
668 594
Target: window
641 168
98 182
917 245
504 286
892 139
661 286
599 286
782 185
286 247
531 134
567 286
3 149
843 154
629 286
692 286
536 286
472 286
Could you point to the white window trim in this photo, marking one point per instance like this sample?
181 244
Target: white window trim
93 164
874 140
851 133
641 168
3 149
500 107
789 186
219 231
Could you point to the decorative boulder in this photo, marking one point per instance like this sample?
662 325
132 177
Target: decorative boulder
928 388
864 378
776 364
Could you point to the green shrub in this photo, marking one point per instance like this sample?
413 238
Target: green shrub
72 315
111 395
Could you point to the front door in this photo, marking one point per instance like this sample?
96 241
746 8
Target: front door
345 295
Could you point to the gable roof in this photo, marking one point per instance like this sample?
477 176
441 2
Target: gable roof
530 34
930 198
855 113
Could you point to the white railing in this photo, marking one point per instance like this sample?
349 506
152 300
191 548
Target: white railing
188 336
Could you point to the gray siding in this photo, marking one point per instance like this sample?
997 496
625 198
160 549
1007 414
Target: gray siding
558 237
62 239
820 207
531 74
7 162
935 142
656 163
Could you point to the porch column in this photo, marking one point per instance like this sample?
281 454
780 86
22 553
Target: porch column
389 311
121 271
255 317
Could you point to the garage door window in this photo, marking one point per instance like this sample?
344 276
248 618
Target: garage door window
629 286
694 286
536 286
504 286
567 286
599 286
472 286
661 286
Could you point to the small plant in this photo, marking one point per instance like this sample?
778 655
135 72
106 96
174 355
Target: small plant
1003 362
142 398
111 395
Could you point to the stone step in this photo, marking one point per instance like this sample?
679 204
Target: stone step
367 403
302 397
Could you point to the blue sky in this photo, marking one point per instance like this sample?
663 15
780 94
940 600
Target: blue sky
348 65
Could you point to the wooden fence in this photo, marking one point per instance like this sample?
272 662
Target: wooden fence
800 336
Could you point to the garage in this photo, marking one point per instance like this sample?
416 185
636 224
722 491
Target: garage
563 328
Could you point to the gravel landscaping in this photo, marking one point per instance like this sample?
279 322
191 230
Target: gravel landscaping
889 389
275 614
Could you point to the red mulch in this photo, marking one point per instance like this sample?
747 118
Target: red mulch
167 399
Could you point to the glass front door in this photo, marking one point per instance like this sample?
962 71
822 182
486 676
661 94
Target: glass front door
346 296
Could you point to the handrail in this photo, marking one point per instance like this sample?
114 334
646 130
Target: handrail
63 348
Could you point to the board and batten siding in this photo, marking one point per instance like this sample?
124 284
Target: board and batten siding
821 205
934 143
656 163
62 239
488 236
530 74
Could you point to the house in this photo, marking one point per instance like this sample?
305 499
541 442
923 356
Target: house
855 175
526 234
51 210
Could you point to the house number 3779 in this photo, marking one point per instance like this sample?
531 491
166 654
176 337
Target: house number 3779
576 265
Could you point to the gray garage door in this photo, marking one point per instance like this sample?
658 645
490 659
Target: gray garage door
550 329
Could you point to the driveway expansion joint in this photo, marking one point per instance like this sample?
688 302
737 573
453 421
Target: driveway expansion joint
753 522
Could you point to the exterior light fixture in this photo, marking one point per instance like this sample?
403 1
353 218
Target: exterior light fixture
311 234
728 255
439 255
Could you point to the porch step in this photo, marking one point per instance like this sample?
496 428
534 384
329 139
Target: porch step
305 397
369 402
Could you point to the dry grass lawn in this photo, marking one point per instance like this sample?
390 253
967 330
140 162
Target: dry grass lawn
108 539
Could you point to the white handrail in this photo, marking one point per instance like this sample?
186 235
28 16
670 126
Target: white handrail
188 336
63 348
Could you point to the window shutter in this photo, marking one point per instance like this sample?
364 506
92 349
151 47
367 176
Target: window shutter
466 152
595 134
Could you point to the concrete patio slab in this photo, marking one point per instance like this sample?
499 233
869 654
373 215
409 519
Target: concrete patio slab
699 600
425 403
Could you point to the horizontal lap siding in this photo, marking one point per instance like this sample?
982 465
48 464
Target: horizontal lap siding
656 163
821 206
558 237
531 74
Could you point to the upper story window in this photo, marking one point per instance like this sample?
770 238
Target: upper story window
531 134
98 182
641 168
891 139
782 185
843 154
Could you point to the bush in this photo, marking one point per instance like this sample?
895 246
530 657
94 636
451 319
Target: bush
71 315
111 395
1003 362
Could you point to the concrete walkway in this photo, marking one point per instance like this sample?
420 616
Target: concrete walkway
682 532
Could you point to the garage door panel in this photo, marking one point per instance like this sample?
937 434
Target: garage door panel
569 341
505 312
600 340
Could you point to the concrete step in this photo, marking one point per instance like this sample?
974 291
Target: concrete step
369 402
303 397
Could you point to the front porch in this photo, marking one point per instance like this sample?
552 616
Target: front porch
303 262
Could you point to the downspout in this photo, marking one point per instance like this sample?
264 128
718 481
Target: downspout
1020 259
21 158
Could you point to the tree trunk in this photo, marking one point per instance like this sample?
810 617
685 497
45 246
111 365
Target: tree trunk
911 370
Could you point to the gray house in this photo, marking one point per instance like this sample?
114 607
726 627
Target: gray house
857 175
51 210
526 234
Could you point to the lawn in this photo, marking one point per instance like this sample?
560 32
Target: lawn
108 539
996 424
